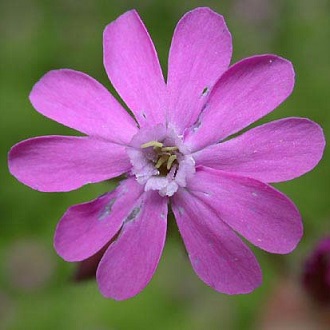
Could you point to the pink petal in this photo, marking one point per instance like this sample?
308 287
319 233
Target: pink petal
217 254
133 68
130 262
257 211
63 163
200 52
274 152
248 91
78 101
86 228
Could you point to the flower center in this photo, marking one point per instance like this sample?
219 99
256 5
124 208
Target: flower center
165 158
160 160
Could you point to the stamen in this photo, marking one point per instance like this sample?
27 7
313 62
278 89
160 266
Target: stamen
170 161
165 149
154 144
163 159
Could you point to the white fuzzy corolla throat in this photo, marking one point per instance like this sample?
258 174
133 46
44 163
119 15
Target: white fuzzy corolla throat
160 160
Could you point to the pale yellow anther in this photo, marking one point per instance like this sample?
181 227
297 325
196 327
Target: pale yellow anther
170 161
161 161
165 149
154 144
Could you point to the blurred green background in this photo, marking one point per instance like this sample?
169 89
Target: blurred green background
36 286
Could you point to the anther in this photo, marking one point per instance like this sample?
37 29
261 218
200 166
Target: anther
169 149
163 159
154 144
170 161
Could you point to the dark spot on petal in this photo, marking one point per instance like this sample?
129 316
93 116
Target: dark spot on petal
197 125
133 214
205 91
107 209
198 122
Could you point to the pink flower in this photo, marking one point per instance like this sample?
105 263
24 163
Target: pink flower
175 151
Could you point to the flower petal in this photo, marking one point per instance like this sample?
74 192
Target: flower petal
274 152
246 92
132 65
217 254
200 52
130 262
257 211
78 101
86 228
64 163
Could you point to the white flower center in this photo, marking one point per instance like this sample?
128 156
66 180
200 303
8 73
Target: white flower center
160 160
